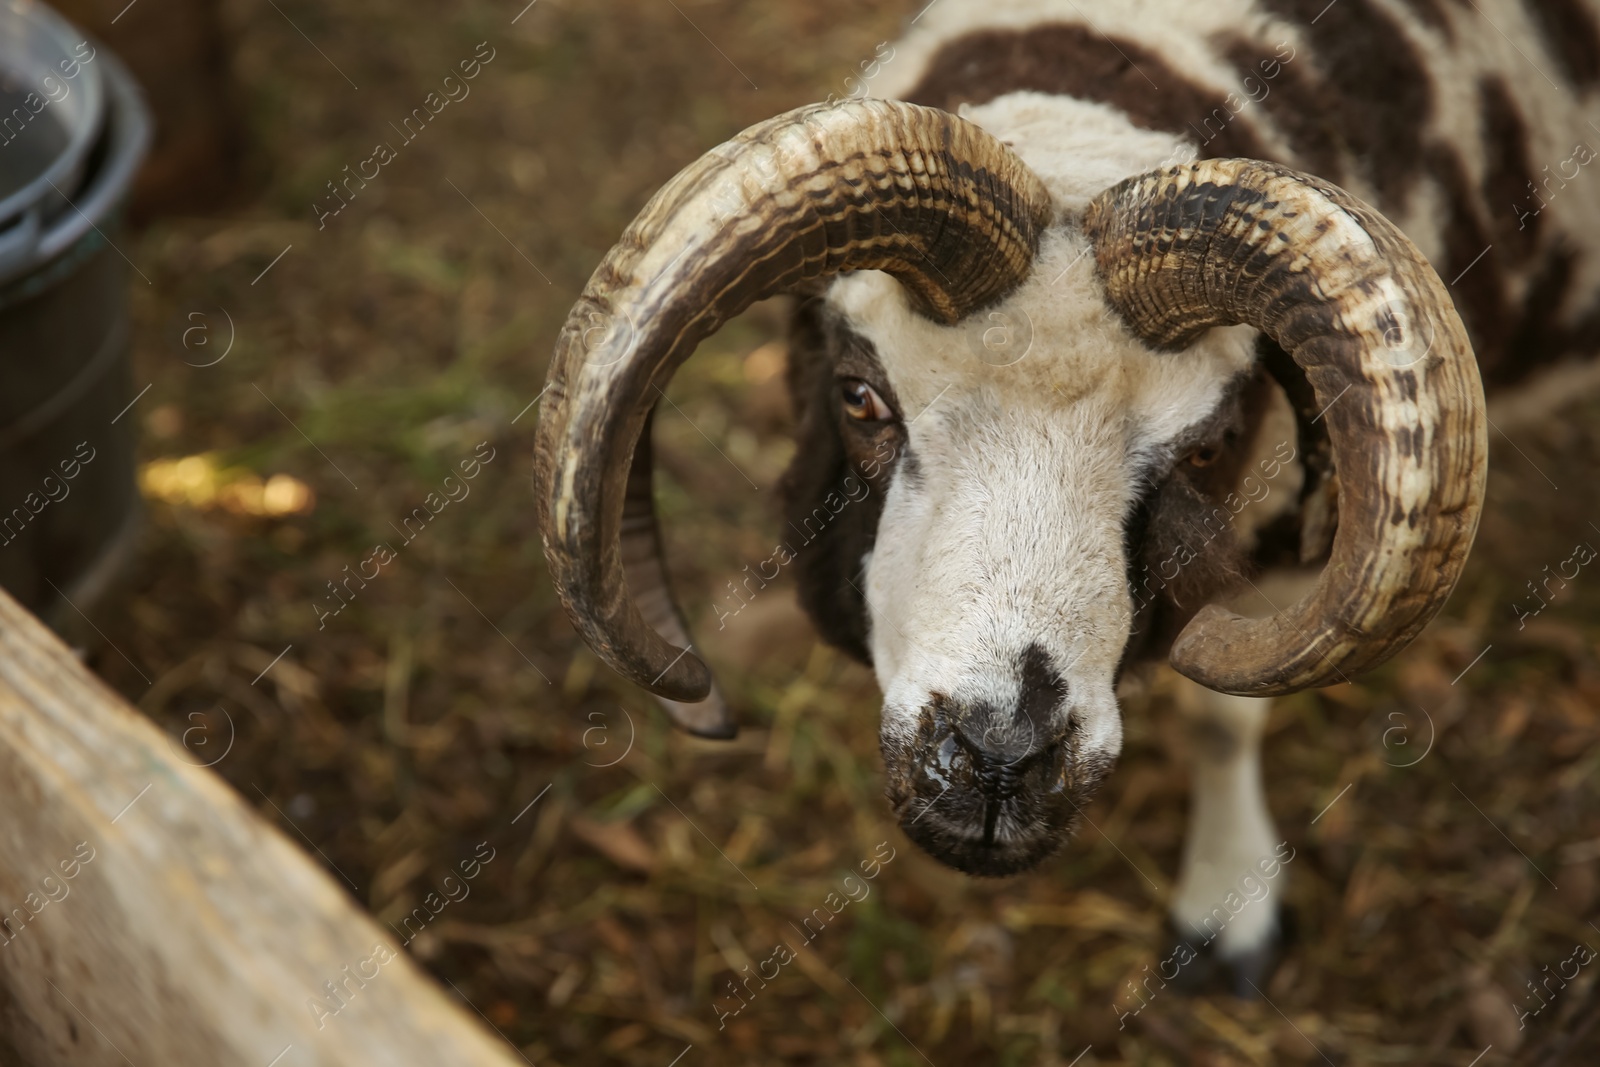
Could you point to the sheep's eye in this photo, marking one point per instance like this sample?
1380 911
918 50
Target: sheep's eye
1204 457
862 402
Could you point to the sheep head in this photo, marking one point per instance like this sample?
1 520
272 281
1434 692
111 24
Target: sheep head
988 579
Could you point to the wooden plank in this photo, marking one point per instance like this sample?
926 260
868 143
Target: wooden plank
152 919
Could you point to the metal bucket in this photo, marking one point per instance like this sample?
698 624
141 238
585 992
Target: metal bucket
73 130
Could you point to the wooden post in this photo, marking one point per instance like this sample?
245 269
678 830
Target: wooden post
152 919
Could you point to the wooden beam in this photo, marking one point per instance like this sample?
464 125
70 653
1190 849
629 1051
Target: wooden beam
152 919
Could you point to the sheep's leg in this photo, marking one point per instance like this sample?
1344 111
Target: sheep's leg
1226 904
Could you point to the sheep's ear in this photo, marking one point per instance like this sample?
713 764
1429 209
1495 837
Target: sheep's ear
1184 544
827 567
808 360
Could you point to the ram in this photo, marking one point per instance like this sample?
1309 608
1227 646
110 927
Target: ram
1134 317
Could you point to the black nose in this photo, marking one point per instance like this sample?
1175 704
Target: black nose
988 789
991 808
1002 743
998 753
1000 772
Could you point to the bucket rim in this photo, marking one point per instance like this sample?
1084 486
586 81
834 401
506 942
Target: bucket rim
127 133
39 22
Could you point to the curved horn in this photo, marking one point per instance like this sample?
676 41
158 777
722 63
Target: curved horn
919 193
1350 298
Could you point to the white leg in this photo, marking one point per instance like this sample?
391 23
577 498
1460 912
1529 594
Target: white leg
1225 900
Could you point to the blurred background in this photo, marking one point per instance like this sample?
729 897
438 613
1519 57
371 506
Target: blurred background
317 354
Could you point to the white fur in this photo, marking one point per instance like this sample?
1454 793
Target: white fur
1230 828
1011 530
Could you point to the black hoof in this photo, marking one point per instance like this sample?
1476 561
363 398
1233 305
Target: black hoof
1202 969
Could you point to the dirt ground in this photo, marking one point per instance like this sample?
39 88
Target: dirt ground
1443 813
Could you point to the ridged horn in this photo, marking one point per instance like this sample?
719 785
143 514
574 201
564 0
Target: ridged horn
1367 320
871 184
